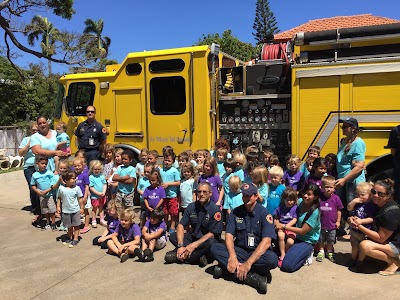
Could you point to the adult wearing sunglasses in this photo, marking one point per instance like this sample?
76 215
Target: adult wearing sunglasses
383 244
25 150
350 162
204 219
91 135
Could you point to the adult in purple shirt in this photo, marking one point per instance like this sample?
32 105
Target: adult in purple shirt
126 238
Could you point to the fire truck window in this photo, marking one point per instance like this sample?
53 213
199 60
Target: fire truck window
133 69
170 65
167 95
81 95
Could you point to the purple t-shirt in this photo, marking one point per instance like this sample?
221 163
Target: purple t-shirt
128 235
82 180
295 180
315 180
365 210
285 214
154 195
154 227
329 209
112 224
215 182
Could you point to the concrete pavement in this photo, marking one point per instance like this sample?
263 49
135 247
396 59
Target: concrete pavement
33 265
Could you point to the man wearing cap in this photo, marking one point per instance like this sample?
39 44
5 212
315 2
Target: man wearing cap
91 135
247 250
350 164
394 145
205 227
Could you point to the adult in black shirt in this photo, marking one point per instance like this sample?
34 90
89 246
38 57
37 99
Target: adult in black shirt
91 135
383 244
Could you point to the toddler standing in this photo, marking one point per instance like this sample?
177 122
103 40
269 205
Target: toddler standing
234 197
98 189
276 188
82 181
259 177
142 161
125 175
144 182
293 177
154 194
188 185
210 175
318 171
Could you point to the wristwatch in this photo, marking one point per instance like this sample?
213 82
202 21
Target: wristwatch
284 226
180 245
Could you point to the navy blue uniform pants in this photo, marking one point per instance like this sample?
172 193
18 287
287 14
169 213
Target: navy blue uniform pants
92 154
203 249
267 261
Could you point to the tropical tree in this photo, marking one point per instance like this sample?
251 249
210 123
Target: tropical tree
42 27
229 44
96 45
265 24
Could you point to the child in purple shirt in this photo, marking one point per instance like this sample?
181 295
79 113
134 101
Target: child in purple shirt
153 235
154 194
113 209
330 208
126 238
210 175
286 213
362 210
293 177
82 180
319 169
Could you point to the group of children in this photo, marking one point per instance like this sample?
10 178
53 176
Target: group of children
166 190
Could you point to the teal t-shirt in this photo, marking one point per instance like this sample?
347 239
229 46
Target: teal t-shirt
97 182
63 137
312 236
29 157
304 170
143 183
274 197
170 175
233 200
126 171
263 191
344 160
69 199
239 172
46 144
187 188
43 181
225 184
221 168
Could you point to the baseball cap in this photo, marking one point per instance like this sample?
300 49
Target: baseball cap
249 189
353 122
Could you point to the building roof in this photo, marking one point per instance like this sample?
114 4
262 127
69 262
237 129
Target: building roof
334 23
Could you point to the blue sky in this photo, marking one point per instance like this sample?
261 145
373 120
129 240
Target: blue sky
149 25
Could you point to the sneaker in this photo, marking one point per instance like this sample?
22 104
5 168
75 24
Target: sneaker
62 228
103 223
53 227
320 256
67 242
46 227
124 257
331 257
73 244
85 229
309 260
94 224
148 255
138 253
170 257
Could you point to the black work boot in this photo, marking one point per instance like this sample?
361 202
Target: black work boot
170 257
203 261
257 281
217 272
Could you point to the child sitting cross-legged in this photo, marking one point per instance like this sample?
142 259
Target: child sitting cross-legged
153 235
126 238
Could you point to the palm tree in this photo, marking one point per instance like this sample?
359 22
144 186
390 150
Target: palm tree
42 27
96 44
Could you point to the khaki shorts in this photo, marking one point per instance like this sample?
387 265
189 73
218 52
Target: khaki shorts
47 205
125 199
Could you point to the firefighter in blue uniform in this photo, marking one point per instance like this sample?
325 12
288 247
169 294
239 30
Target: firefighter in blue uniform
247 250
205 226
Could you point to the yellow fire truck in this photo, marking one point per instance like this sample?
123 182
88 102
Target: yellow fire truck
188 97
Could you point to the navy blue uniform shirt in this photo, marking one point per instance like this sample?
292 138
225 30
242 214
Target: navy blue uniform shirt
258 223
203 219
85 131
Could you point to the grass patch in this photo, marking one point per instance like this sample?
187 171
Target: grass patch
11 170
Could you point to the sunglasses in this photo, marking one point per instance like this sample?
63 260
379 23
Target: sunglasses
202 192
90 112
380 194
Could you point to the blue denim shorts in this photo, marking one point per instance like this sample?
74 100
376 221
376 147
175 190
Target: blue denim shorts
395 249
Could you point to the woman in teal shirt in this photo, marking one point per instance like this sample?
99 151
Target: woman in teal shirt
307 229
25 150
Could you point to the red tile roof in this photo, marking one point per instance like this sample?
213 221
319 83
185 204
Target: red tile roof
334 23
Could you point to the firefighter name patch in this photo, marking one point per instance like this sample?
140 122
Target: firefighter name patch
269 219
217 216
